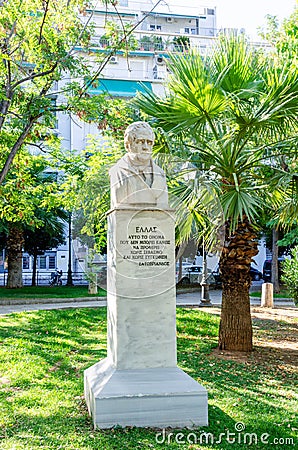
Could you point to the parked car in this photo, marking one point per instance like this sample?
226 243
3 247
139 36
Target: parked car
217 278
184 267
193 275
267 268
255 274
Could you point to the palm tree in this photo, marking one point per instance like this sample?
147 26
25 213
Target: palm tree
228 109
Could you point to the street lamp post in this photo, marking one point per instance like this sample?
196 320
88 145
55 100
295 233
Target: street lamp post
69 271
205 299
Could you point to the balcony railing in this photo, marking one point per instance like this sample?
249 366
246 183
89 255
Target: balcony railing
151 41
162 42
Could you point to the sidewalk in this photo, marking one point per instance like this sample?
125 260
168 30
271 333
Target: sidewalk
183 299
194 298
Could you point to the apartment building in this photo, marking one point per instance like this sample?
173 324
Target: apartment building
159 30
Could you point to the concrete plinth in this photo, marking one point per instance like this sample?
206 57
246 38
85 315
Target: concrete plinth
139 383
160 397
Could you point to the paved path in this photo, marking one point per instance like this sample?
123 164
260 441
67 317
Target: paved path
183 299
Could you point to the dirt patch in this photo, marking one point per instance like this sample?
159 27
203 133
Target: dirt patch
234 356
275 339
287 314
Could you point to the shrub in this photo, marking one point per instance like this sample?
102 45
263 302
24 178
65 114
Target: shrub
290 274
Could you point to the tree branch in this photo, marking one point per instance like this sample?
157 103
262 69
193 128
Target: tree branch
15 148
43 21
39 146
4 104
36 75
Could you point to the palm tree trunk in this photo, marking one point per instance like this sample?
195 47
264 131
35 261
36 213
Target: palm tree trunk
235 332
15 242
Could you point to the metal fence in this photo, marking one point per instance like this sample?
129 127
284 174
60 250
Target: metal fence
43 278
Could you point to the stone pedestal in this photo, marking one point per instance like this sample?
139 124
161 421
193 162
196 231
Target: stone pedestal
155 397
139 383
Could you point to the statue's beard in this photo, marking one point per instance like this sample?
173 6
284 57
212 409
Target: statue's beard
140 159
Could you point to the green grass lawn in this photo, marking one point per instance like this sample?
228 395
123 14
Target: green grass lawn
49 292
43 355
282 294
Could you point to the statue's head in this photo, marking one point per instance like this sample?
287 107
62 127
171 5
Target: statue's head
135 131
139 140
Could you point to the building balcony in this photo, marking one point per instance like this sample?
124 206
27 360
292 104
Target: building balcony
152 42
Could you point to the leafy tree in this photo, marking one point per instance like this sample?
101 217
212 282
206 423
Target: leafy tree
49 235
37 48
284 37
29 188
290 274
14 253
284 41
269 220
38 54
290 238
229 108
92 197
89 192
42 73
285 215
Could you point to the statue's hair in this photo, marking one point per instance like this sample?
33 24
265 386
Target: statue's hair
133 130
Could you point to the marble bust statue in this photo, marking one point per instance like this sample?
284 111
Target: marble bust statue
135 179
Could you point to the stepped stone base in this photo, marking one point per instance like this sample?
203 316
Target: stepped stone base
150 397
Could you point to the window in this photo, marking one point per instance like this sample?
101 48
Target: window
210 12
42 262
54 104
52 262
25 262
123 2
2 260
154 27
190 30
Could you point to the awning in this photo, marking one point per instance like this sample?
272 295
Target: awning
118 88
110 13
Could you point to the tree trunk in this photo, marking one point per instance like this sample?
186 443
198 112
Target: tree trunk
235 332
180 269
274 262
33 282
15 242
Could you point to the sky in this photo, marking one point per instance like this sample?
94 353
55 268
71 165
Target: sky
247 14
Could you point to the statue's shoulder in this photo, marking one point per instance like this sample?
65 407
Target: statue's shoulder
158 169
118 166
